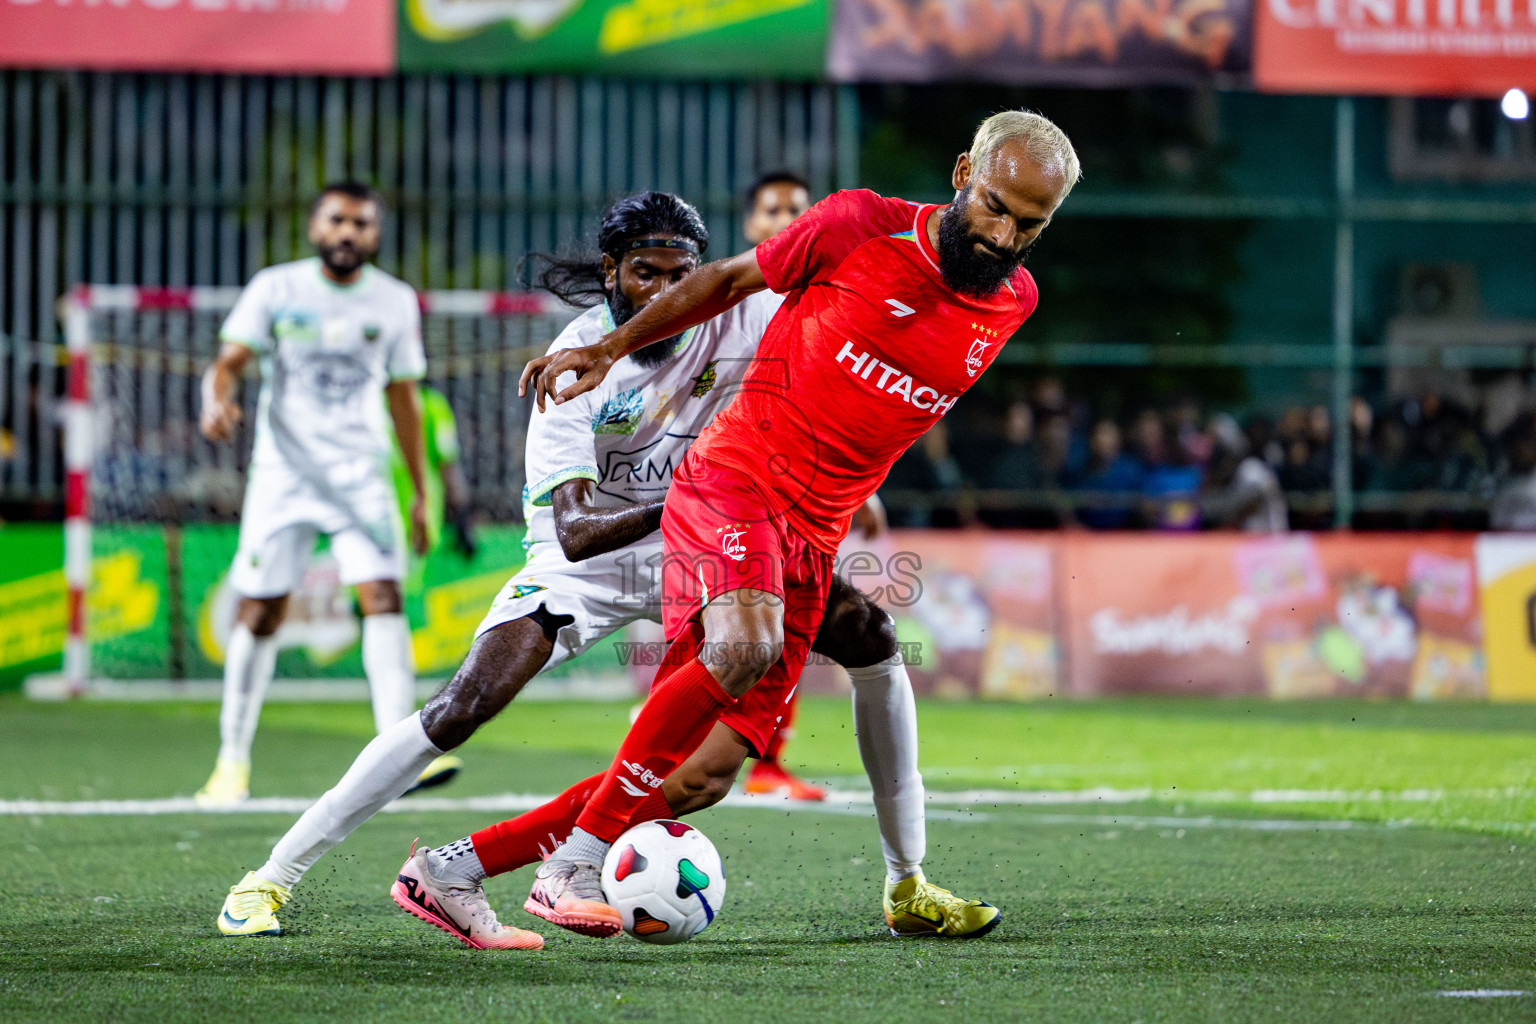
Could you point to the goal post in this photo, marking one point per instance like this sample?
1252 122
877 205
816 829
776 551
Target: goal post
140 476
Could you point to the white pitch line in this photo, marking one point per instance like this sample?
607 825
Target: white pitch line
1112 795
844 803
1204 821
260 805
838 799
1483 993
857 804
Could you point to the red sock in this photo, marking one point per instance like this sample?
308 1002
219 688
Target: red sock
508 845
533 836
780 735
652 808
675 719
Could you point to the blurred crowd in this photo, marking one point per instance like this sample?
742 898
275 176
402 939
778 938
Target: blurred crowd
1046 460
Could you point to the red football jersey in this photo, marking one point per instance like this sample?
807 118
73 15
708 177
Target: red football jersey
870 348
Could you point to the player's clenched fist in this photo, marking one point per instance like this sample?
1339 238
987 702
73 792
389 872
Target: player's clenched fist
590 363
220 419
420 536
221 413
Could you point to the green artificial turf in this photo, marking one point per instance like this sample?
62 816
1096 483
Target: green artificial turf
1200 904
1470 766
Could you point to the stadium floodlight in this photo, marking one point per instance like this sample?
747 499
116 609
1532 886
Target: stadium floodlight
1516 105
132 453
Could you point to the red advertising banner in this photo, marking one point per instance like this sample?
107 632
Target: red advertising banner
1395 47
1296 615
1018 615
338 37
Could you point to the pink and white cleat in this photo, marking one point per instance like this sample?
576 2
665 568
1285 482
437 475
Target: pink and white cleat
570 894
463 913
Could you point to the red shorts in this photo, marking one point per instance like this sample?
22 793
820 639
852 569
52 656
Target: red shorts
719 535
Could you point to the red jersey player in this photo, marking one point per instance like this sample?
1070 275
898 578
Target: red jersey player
893 309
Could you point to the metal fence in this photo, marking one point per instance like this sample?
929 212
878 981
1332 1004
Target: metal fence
201 180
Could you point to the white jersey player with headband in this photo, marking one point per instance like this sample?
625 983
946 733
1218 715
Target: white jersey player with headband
627 437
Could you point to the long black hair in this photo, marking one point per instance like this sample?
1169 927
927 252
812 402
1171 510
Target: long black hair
577 277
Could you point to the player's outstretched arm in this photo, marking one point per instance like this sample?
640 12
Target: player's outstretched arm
702 295
221 413
586 530
404 400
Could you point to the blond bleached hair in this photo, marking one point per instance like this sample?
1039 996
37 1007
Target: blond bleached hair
1045 143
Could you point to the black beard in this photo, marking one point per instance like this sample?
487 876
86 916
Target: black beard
342 260
652 355
969 263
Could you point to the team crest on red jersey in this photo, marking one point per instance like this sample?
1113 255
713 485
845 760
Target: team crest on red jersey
731 544
973 358
978 352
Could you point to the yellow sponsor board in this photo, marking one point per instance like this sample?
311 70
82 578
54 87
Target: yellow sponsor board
453 610
34 609
630 26
1020 664
121 602
1506 571
33 617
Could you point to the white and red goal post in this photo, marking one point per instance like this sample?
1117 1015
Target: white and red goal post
132 451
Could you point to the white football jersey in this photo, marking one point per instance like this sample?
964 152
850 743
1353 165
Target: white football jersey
327 350
629 434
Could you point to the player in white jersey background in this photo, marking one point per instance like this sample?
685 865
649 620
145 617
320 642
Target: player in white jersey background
330 332
597 472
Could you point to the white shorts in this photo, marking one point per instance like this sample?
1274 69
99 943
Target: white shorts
602 594
283 514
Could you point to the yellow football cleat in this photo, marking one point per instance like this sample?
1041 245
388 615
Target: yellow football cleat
250 908
229 784
440 772
914 906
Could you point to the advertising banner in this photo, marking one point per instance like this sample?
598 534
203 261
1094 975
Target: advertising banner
658 38
1506 574
1015 615
143 626
334 37
1297 615
1073 42
33 614
1414 48
127 609
1002 615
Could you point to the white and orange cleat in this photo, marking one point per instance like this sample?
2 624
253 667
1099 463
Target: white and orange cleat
463 913
570 894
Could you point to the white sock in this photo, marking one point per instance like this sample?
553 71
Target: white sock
390 668
457 862
582 847
387 767
249 663
885 722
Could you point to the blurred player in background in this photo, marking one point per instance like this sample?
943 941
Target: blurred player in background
447 493
331 332
892 310
773 202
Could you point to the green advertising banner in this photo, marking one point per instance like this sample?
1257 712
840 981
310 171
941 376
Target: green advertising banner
668 38
446 596
33 613
161 608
